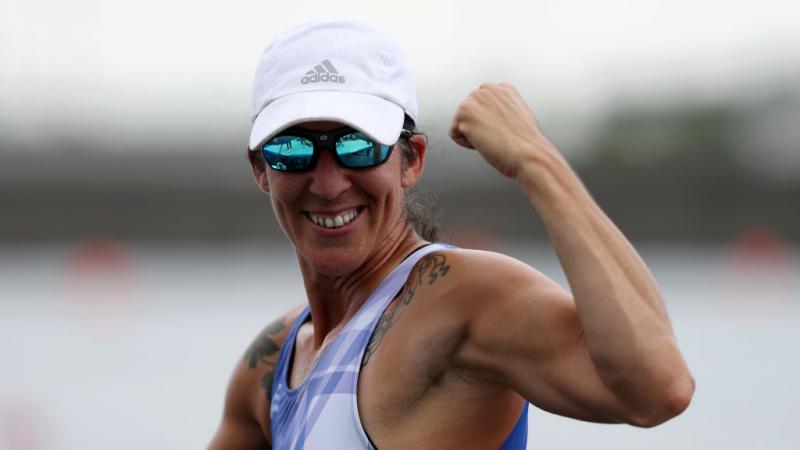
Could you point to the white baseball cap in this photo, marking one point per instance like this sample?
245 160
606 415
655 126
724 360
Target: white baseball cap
342 70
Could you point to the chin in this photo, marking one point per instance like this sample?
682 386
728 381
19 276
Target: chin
334 262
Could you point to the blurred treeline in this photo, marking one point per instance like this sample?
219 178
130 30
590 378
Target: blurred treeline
682 170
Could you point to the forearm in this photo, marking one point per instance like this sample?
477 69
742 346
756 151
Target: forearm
626 327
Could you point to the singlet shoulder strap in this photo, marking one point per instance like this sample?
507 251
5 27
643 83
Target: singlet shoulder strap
286 352
383 295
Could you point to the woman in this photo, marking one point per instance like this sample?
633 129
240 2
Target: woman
407 344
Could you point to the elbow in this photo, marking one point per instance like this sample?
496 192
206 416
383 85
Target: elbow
671 403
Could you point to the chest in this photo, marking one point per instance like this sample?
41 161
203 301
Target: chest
401 362
395 388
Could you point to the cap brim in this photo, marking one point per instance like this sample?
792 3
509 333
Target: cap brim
377 117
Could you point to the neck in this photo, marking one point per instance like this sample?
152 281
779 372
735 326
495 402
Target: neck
334 300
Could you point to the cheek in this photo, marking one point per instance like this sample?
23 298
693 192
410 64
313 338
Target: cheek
385 181
387 187
284 192
283 188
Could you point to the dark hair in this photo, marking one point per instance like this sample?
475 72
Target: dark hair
423 210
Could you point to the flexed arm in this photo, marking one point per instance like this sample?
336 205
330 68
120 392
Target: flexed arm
623 342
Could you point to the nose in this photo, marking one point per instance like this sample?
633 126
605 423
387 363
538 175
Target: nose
329 179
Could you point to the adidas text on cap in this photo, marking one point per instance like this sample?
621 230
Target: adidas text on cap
342 70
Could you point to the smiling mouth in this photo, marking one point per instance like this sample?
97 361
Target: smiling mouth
334 221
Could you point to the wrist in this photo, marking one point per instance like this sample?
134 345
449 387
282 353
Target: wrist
548 180
541 164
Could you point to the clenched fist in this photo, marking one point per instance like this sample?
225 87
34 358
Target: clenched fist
495 121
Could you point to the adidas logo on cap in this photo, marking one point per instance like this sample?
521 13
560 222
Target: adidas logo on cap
323 71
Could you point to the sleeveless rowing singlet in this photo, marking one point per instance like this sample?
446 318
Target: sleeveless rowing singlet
322 413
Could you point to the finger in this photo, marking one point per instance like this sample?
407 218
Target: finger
486 85
458 137
453 131
462 141
508 86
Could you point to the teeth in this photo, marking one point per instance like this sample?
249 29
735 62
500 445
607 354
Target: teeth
335 221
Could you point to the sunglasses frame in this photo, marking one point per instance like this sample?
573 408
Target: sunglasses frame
322 139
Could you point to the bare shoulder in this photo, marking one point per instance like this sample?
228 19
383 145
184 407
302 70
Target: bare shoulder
518 324
449 291
262 355
491 288
485 276
456 281
245 421
492 302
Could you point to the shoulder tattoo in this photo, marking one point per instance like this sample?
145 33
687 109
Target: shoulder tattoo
427 271
264 350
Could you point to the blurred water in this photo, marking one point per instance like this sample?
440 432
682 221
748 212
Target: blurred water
105 346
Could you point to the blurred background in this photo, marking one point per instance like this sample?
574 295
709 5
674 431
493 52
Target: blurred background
138 259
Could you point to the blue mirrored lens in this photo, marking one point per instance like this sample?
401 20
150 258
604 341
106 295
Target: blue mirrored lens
288 153
358 150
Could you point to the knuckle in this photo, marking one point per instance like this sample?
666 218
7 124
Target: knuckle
508 87
466 106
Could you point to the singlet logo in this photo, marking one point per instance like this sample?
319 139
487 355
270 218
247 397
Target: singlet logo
323 71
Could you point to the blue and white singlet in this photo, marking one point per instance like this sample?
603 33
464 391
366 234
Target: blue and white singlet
322 413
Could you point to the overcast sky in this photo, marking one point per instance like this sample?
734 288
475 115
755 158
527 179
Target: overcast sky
137 68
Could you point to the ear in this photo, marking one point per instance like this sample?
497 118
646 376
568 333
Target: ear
259 167
413 170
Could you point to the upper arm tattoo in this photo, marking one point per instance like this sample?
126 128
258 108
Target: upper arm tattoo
428 270
264 349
